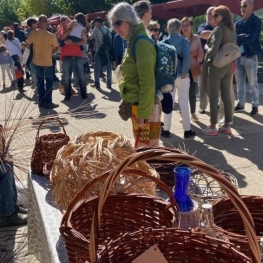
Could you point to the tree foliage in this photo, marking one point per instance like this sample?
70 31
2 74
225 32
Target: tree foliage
8 12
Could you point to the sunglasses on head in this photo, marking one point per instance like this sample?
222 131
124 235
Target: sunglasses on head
216 15
155 29
117 23
243 6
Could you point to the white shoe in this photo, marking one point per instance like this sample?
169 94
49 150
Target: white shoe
222 122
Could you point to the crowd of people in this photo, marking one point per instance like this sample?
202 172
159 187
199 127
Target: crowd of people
78 42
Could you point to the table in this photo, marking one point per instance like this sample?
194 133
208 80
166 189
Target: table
44 239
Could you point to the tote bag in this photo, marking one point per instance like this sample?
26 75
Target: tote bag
226 54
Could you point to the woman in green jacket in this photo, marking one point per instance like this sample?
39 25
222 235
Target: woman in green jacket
137 85
219 78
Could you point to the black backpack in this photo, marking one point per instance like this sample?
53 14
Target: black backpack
106 47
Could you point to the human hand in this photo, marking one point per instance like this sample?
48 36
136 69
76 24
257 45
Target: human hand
142 122
68 42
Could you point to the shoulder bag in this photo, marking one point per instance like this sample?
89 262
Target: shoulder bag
226 54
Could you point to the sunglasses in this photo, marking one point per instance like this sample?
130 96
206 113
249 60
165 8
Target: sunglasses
117 23
216 15
243 6
155 29
63 19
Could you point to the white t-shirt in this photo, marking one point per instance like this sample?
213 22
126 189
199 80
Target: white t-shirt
14 47
77 30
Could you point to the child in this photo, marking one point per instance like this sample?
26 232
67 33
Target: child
19 79
77 26
5 63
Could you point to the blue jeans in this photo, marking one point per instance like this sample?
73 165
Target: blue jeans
44 92
247 66
68 64
33 73
98 70
8 192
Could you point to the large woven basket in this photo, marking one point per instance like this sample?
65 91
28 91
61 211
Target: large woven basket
122 213
176 246
89 155
202 188
47 146
196 163
227 217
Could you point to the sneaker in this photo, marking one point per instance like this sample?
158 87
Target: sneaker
21 90
225 129
254 111
165 134
41 105
16 219
210 131
108 87
20 209
66 98
95 86
194 118
201 111
239 107
51 106
222 122
188 134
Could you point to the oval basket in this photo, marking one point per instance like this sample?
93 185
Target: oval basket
164 154
234 228
122 213
175 245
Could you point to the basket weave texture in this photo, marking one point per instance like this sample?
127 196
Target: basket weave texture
122 213
227 217
176 246
47 146
89 155
188 160
202 188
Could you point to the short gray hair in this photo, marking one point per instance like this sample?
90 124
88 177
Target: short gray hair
174 26
251 2
124 12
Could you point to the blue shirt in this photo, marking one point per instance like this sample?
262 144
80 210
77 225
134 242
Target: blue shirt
182 47
202 28
248 34
119 45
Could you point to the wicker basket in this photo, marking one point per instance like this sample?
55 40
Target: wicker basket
234 228
47 169
89 155
46 147
202 188
122 213
176 246
163 154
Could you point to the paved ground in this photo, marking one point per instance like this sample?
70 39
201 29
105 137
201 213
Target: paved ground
240 153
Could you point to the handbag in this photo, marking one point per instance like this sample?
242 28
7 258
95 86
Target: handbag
226 54
125 110
46 147
196 70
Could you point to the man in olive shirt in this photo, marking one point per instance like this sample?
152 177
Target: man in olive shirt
44 44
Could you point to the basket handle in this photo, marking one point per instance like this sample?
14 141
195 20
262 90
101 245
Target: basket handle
107 174
167 155
50 119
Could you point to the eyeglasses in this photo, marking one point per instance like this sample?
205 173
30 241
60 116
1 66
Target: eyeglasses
155 29
186 25
243 6
117 23
216 15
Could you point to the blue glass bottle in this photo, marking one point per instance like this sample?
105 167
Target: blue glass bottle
181 179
